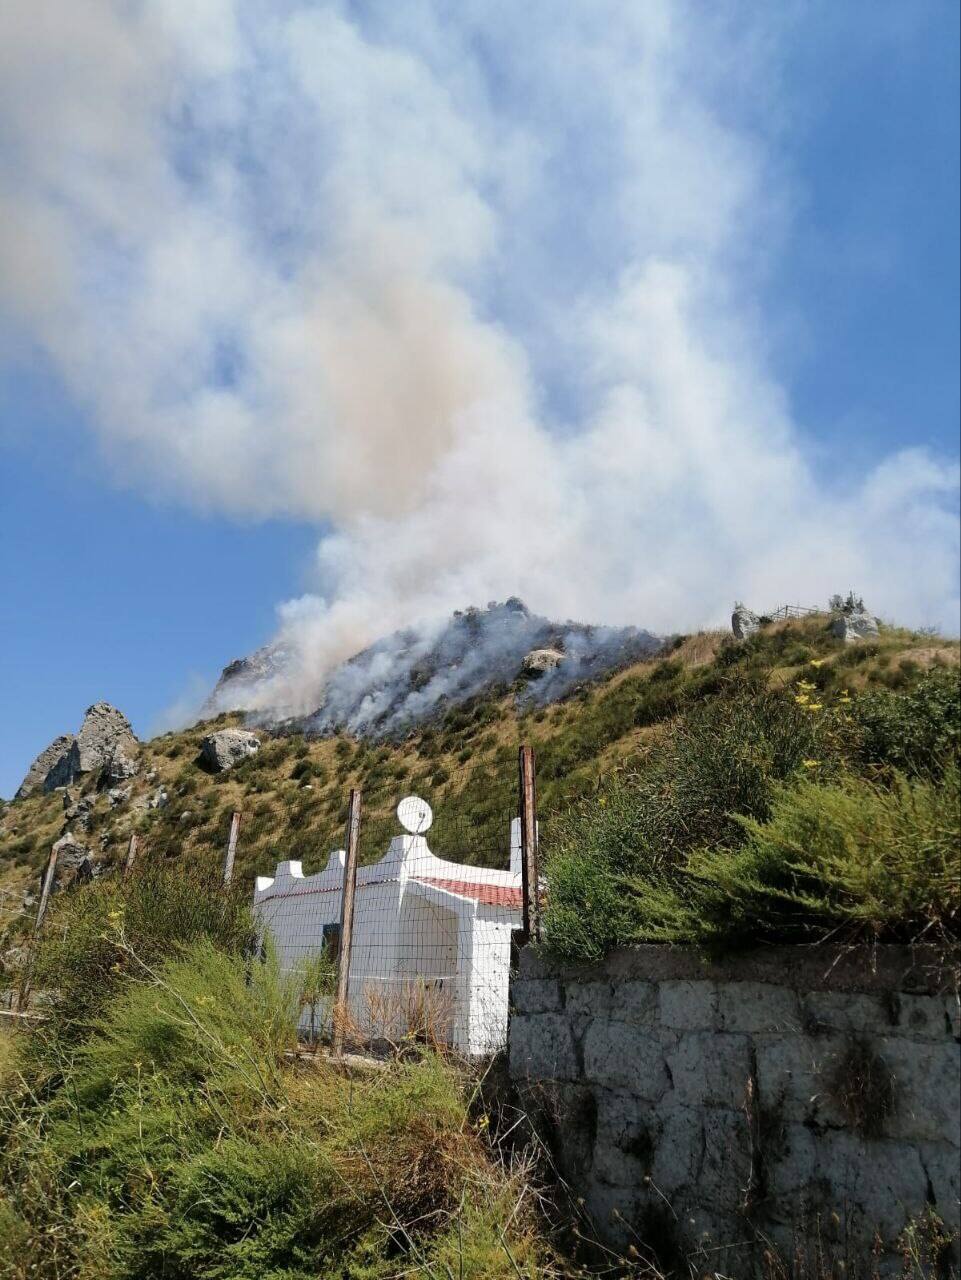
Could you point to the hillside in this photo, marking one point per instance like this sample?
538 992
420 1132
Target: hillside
292 794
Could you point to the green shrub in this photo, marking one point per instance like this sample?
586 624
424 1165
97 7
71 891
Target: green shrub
852 860
180 1142
85 945
918 731
724 759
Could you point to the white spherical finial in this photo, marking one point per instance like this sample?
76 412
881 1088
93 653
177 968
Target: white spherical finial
415 815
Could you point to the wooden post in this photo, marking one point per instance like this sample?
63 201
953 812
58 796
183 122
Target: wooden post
231 848
131 854
24 992
346 921
530 878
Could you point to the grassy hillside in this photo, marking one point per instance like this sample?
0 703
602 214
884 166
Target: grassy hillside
155 1119
293 793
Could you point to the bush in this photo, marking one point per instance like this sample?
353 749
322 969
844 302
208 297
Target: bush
82 956
179 1141
918 731
852 860
724 759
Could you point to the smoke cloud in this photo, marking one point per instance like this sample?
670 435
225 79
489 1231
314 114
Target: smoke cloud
475 288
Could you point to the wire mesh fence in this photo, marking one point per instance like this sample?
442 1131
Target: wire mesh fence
437 900
438 891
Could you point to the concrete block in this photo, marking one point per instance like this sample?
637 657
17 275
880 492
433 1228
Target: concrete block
790 1165
585 1001
628 1134
757 1007
679 1149
940 1164
791 1073
710 1069
635 1002
880 1184
724 1172
619 1056
541 1047
927 1082
536 995
930 1017
568 1116
688 1006
847 1012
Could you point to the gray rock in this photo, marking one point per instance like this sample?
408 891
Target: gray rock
537 995
540 660
104 735
51 768
711 1070
688 1006
744 623
118 795
158 799
854 625
227 747
758 1006
77 812
74 863
619 1056
120 767
542 1047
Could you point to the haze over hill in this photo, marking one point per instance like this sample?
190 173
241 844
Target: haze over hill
403 678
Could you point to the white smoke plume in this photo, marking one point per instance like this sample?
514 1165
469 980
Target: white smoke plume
475 287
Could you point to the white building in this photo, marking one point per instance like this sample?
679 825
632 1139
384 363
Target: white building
431 942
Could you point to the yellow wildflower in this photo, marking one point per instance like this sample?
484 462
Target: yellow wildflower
801 698
814 706
818 662
810 764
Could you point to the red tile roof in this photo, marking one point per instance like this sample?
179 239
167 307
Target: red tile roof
488 895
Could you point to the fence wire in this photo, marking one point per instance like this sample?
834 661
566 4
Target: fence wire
437 899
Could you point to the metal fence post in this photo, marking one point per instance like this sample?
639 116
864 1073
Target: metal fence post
530 869
346 921
231 847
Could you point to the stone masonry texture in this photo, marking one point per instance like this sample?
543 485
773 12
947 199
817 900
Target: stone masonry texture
796 1098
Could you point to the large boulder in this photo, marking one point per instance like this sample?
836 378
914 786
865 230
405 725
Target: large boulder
539 661
744 623
852 626
105 737
52 768
227 747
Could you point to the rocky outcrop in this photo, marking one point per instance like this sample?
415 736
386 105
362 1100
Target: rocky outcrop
50 769
74 863
227 747
539 661
744 623
855 625
105 741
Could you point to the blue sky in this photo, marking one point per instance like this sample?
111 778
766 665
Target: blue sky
140 552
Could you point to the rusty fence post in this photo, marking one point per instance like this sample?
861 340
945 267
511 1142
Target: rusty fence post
231 853
530 867
346 921
23 994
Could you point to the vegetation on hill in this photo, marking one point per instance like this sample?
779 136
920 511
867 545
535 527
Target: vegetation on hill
798 803
158 1124
155 1121
672 749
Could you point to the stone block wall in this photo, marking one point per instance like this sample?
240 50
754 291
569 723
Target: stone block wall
788 1100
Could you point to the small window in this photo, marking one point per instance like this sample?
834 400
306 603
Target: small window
331 941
